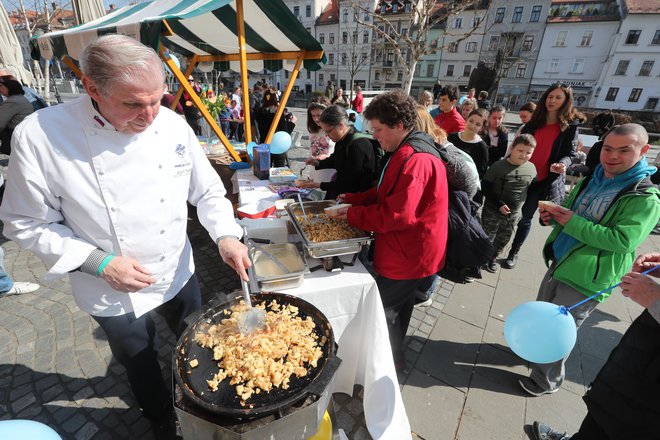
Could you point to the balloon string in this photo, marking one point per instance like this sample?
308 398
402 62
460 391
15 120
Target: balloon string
565 310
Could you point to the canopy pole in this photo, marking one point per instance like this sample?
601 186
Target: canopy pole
244 76
69 62
285 98
192 62
183 80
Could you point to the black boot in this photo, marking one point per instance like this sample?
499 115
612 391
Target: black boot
512 259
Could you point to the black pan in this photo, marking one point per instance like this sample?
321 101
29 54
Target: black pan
225 401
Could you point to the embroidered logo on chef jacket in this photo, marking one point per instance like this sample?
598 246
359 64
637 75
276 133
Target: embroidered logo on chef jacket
183 168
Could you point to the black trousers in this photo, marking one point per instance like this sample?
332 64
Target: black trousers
590 430
398 298
132 341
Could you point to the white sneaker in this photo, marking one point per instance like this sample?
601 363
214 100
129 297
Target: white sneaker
21 287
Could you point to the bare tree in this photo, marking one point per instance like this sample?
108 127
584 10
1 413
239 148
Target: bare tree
356 57
407 33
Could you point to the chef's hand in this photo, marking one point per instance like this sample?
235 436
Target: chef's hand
235 254
558 168
341 213
505 210
647 261
561 215
125 274
340 198
640 288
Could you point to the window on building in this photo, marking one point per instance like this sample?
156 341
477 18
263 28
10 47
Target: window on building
345 16
656 37
553 65
366 16
633 36
430 69
471 47
322 38
365 37
528 43
388 76
586 38
494 42
407 7
467 69
578 66
536 13
404 31
355 37
651 104
296 11
450 70
453 47
383 8
379 56
377 76
399 76
395 7
458 23
476 21
331 38
344 38
634 95
611 94
646 68
308 10
499 15
286 74
521 69
560 41
505 69
321 78
417 69
622 67
517 14
364 56
331 59
344 59
309 74
332 77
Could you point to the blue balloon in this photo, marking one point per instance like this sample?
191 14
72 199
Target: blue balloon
358 119
540 332
27 429
462 99
280 143
249 147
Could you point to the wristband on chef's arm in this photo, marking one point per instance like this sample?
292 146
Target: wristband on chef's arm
96 262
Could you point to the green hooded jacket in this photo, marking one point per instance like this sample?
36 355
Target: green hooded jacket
606 250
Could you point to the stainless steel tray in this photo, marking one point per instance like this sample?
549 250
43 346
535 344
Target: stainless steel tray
324 249
270 277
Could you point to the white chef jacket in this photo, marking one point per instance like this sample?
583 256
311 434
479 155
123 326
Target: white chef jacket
75 184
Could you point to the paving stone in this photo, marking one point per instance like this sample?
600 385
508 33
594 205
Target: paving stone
74 423
23 402
470 303
88 431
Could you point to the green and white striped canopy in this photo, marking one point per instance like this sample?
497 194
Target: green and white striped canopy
201 27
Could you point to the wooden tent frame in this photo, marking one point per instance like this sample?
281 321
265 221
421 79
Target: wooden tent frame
243 57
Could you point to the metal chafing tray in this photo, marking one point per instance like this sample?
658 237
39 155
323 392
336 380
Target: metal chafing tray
324 249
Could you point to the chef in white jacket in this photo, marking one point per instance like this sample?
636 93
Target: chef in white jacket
97 188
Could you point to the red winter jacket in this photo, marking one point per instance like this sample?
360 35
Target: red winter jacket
407 212
451 122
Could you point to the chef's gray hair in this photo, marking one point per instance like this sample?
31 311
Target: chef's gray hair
117 60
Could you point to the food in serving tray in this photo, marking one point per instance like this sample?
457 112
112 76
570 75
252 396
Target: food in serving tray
320 228
267 358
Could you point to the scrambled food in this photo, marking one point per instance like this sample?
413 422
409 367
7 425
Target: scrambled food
321 228
266 358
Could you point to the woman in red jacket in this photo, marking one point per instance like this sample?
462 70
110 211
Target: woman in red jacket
358 100
407 211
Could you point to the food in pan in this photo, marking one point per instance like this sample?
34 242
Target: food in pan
266 358
320 228
194 363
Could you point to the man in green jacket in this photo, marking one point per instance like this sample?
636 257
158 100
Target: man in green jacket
596 232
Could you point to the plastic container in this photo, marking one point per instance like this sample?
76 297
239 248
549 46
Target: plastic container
261 161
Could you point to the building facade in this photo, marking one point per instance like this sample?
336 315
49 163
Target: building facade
630 80
575 47
514 31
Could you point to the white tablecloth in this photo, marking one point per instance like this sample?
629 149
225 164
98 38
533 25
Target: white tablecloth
351 302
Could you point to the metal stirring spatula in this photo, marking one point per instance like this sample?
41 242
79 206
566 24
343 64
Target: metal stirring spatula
252 319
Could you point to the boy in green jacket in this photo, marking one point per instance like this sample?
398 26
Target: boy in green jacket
603 221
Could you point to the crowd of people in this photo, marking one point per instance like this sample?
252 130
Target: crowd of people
398 181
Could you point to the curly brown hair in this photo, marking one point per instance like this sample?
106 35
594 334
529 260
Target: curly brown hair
393 107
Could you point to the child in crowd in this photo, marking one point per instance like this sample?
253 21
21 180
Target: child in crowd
526 112
469 140
320 144
448 118
467 107
495 135
505 189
